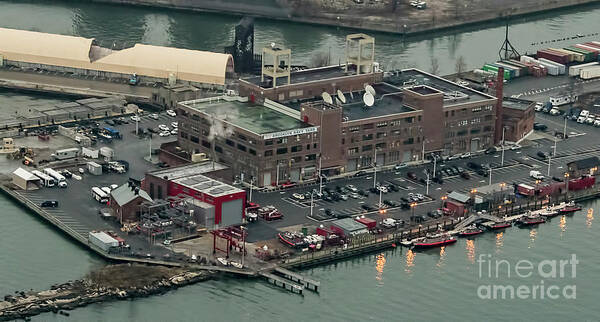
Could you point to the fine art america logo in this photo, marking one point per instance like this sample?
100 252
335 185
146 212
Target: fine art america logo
525 279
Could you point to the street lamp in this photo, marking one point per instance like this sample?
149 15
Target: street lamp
503 130
312 203
473 190
444 198
567 185
412 207
251 186
427 183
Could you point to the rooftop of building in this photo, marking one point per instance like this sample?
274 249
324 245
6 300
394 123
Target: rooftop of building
516 104
304 76
127 193
388 101
244 114
206 185
349 224
188 170
453 93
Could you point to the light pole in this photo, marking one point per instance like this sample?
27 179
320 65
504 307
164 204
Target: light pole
244 242
565 129
277 175
444 198
427 183
550 156
380 204
502 185
251 185
567 184
311 203
137 118
320 176
490 182
412 207
434 164
503 130
374 168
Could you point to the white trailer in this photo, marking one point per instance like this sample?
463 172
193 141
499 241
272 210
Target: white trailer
562 69
54 174
65 154
103 240
590 72
562 100
576 69
47 180
99 195
552 69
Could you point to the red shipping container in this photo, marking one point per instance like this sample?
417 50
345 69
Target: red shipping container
581 183
591 44
554 56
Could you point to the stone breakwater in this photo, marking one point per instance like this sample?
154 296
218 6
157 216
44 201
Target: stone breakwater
93 289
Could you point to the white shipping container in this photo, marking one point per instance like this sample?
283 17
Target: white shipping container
102 240
561 68
107 152
576 69
552 70
590 72
89 153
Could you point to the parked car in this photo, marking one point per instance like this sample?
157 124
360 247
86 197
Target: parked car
400 166
482 173
154 116
367 207
542 154
363 192
298 196
352 188
49 204
411 175
558 179
491 150
164 133
163 127
171 113
465 175
540 127
135 118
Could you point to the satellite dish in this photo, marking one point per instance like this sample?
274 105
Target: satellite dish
368 99
369 89
327 98
337 101
272 45
341 96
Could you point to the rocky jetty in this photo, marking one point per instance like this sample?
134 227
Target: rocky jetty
115 282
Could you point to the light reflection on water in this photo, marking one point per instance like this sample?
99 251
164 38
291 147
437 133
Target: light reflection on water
589 218
410 261
441 262
562 225
470 246
499 242
532 236
379 265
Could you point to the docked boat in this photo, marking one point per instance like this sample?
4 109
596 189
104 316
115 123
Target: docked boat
431 242
531 219
472 230
236 265
501 225
548 212
223 261
569 208
293 240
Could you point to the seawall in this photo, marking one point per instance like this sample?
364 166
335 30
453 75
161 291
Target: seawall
401 19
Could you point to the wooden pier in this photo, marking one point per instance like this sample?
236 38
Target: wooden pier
307 282
283 282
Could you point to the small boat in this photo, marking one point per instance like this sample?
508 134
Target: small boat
501 225
431 242
471 230
236 265
548 212
223 261
294 240
531 219
569 208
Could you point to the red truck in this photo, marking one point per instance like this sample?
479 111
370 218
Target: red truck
270 213
525 190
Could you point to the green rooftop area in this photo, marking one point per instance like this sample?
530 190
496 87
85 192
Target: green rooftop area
249 116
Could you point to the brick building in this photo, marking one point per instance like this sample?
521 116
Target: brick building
517 118
125 202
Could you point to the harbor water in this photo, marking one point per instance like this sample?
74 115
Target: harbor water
447 283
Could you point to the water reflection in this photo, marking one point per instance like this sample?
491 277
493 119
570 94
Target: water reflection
442 261
589 218
562 225
410 261
532 236
379 265
470 246
499 241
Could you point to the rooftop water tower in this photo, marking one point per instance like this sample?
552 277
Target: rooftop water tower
276 63
360 51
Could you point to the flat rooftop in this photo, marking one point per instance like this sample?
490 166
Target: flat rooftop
388 101
349 224
304 76
241 113
207 185
188 170
453 93
516 104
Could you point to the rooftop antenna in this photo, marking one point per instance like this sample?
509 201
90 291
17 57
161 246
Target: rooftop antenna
368 99
369 89
341 96
327 98
507 51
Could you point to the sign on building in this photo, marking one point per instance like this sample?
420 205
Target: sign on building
293 132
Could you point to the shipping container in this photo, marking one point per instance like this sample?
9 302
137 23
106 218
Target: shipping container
560 58
514 71
593 44
494 69
552 69
94 168
594 50
102 240
562 69
570 54
525 190
575 69
590 72
527 59
576 57
588 55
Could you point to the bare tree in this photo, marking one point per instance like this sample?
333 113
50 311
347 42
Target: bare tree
435 66
461 66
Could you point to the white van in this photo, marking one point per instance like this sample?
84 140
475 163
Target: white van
536 175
